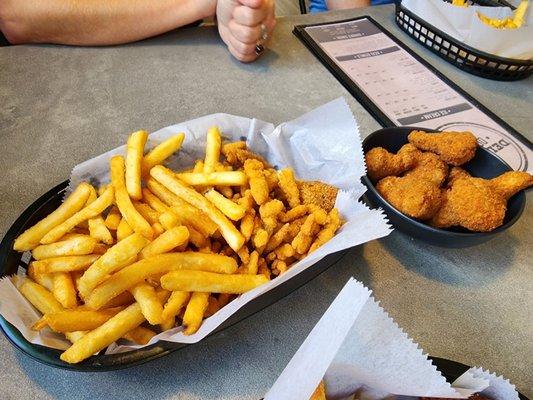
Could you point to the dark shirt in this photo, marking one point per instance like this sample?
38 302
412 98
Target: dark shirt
3 40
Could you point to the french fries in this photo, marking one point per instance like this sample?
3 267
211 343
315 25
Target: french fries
227 229
230 209
136 273
74 203
107 333
201 281
90 211
167 241
222 178
78 320
212 150
174 252
76 246
134 157
124 203
64 264
116 257
161 152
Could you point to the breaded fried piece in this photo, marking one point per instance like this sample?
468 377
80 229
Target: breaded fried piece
510 183
429 167
381 163
319 393
455 148
319 193
412 196
237 153
258 184
472 203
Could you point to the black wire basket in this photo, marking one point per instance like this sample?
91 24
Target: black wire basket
462 56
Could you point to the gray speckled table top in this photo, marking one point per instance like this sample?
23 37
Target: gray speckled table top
62 105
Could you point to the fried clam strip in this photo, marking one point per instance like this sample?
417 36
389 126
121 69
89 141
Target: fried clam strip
201 281
31 237
115 258
161 152
136 273
92 210
227 229
128 211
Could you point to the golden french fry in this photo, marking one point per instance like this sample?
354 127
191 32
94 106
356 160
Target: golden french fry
78 320
134 219
231 209
167 241
123 299
99 231
107 333
227 229
64 264
153 201
197 238
168 324
201 281
31 237
64 290
190 215
135 273
148 213
90 211
100 248
102 189
42 299
194 313
92 197
124 230
151 306
158 229
113 218
116 257
174 304
222 178
161 152
42 279
139 335
76 246
212 149
134 157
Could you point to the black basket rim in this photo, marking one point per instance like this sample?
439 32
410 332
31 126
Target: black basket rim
478 53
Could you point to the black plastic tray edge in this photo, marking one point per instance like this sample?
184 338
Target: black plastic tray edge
366 102
472 50
50 357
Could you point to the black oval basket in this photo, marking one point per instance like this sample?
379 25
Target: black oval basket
462 56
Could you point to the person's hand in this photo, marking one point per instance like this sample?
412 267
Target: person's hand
245 26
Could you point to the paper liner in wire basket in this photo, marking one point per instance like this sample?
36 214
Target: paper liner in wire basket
357 348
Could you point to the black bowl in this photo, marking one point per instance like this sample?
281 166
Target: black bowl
483 165
11 260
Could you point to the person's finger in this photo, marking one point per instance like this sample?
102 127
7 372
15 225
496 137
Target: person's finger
249 16
242 57
253 3
240 47
245 34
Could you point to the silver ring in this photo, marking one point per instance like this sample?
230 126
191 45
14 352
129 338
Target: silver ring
264 33
259 48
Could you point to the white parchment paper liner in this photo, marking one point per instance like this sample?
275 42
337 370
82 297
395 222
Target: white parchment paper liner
357 347
321 145
463 24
